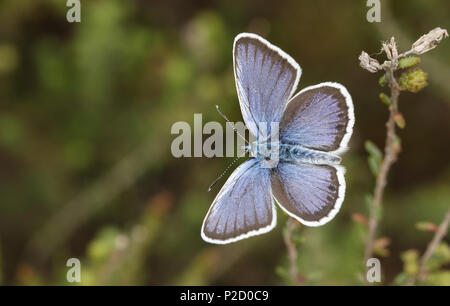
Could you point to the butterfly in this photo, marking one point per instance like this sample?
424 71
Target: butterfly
314 127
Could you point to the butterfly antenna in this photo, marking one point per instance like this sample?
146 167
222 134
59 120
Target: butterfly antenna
232 124
226 170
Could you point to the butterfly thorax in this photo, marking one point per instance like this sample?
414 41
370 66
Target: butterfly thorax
291 153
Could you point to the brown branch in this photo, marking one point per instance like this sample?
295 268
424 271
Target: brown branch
431 248
424 44
433 64
390 156
291 251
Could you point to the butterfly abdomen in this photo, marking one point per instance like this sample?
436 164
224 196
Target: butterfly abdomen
297 153
291 153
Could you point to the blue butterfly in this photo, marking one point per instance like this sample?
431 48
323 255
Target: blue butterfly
315 126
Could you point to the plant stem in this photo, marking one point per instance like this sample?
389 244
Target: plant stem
431 248
291 251
390 156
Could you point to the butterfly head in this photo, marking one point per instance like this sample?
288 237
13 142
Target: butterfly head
263 150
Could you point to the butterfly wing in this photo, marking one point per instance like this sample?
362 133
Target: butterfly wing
243 207
266 78
319 117
312 194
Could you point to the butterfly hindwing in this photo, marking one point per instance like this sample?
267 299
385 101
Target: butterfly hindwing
266 78
319 117
242 208
312 194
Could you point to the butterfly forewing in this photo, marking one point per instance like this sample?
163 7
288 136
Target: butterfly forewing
242 208
266 77
319 117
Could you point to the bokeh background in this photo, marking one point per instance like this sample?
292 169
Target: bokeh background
85 116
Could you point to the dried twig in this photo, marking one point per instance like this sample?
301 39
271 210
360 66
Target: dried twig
390 156
431 248
433 64
424 44
291 251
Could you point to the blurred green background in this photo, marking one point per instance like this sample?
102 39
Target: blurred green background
85 116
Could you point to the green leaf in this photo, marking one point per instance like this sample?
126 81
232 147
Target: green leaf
368 199
298 238
385 99
382 80
399 120
441 278
397 144
378 212
373 150
440 258
426 226
374 165
282 272
409 61
410 260
401 279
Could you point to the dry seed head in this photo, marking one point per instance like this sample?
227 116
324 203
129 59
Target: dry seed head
368 63
429 41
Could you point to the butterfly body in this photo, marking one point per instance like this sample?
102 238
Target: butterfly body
298 153
300 171
283 152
